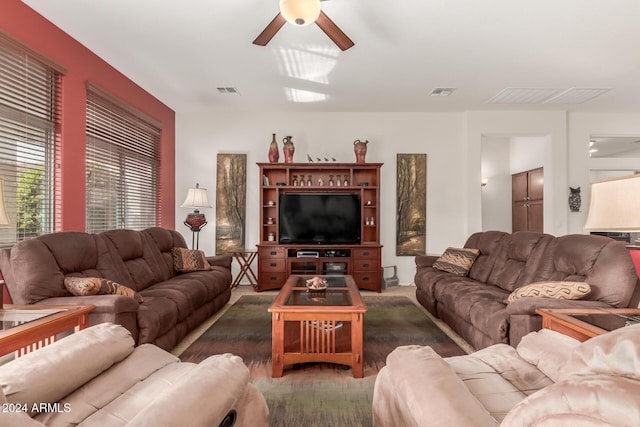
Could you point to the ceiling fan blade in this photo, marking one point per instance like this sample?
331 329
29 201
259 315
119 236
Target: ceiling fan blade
334 33
270 30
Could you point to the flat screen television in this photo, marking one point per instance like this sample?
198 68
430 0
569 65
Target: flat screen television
324 219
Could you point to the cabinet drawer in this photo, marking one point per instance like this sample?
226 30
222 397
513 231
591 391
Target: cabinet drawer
365 253
366 265
271 280
272 264
367 280
271 252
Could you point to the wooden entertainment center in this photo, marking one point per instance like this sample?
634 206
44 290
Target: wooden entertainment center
276 261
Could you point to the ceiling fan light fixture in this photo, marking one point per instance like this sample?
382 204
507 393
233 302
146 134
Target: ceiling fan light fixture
300 12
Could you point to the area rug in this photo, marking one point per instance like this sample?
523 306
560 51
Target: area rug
318 394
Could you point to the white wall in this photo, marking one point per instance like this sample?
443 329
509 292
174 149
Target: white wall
552 125
452 142
200 136
496 195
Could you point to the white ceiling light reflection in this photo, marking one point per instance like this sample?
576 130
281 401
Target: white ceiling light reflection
312 63
304 96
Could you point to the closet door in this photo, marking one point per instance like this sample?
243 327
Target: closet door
527 189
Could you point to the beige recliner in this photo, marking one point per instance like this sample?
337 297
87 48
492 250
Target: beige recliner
548 380
97 378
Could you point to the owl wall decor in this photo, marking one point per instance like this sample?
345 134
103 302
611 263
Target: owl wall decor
574 199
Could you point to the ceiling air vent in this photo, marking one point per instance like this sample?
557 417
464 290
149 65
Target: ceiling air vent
442 91
577 95
524 95
228 91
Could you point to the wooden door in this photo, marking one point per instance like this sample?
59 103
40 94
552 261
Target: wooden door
527 190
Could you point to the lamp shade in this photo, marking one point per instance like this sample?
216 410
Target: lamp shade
196 198
4 217
615 205
300 12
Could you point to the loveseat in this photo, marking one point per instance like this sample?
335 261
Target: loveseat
97 378
548 380
475 304
172 305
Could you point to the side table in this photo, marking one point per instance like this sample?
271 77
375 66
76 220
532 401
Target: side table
245 258
26 328
585 323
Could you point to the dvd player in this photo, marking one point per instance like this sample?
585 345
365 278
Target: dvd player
308 254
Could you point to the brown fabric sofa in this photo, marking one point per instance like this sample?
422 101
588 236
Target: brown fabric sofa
475 307
97 378
174 304
548 380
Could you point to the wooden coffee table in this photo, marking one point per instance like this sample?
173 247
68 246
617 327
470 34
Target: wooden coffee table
26 328
585 323
318 326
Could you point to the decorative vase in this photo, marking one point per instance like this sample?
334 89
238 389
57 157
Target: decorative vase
288 149
274 156
360 148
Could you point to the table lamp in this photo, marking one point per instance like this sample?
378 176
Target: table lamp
196 199
615 206
4 223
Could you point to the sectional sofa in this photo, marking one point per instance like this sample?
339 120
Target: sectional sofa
172 304
474 304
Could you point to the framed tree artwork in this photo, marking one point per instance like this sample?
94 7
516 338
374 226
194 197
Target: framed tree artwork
411 205
231 202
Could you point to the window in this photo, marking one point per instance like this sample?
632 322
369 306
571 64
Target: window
29 122
122 166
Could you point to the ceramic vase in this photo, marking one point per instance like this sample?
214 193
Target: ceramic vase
274 155
288 149
360 148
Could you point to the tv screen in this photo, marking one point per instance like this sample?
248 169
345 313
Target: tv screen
320 218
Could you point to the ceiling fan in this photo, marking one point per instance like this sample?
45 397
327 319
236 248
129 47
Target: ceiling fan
302 13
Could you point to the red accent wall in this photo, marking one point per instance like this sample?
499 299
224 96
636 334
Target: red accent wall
31 29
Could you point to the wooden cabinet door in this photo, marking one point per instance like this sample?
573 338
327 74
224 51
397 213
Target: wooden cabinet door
519 187
527 189
536 184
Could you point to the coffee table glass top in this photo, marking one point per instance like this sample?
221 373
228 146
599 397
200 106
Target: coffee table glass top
607 321
12 318
334 295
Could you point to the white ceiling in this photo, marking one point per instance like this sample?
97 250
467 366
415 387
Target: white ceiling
182 50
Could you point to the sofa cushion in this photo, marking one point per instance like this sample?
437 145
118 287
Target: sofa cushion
556 290
73 360
189 260
143 362
548 350
457 261
600 261
521 260
84 286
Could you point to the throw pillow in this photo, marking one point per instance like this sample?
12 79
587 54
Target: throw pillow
84 286
557 290
188 260
457 261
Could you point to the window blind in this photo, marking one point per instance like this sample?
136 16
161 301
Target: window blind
29 154
122 167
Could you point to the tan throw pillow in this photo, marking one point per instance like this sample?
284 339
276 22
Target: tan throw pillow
84 286
457 261
188 260
557 290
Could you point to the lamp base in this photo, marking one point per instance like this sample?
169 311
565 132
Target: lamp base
195 221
